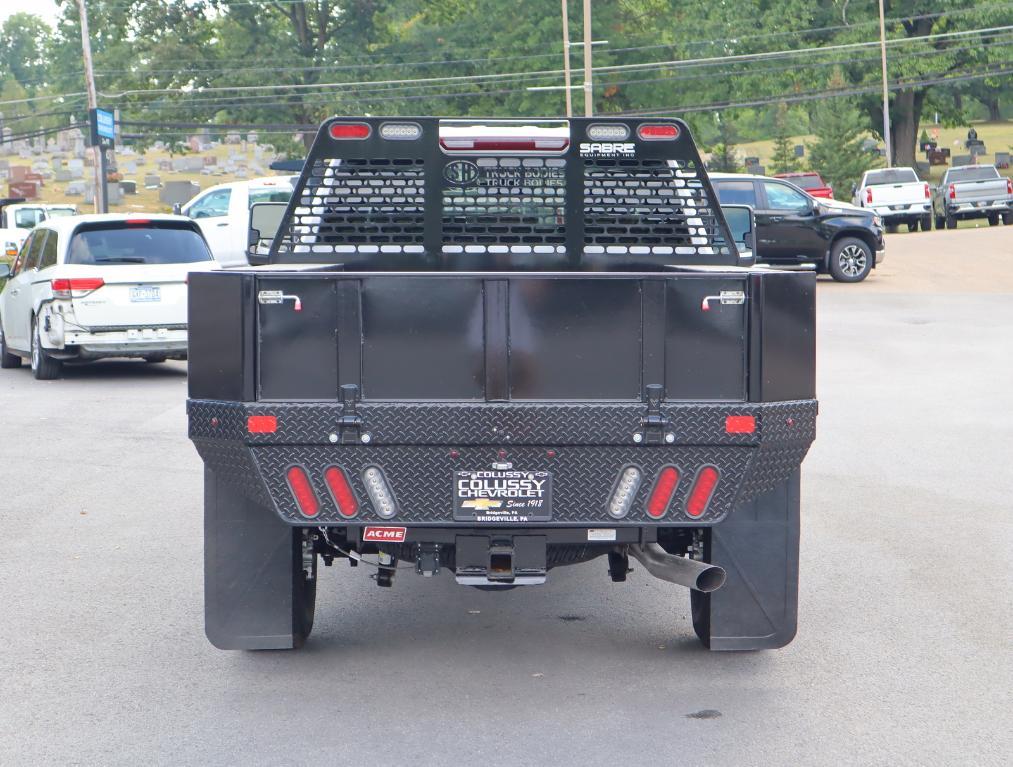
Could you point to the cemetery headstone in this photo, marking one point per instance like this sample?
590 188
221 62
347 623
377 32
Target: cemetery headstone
178 192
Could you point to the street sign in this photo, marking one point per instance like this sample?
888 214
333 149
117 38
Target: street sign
103 127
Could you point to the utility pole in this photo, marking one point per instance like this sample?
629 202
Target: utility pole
588 96
886 90
566 58
89 76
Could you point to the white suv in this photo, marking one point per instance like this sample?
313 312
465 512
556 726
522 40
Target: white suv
86 287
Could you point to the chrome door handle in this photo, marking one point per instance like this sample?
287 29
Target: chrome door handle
224 223
726 297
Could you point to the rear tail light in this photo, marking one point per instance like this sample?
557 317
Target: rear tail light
664 491
64 288
349 130
261 424
341 492
401 131
1009 186
625 492
928 192
703 489
379 492
138 222
665 132
868 195
608 132
953 192
740 424
302 491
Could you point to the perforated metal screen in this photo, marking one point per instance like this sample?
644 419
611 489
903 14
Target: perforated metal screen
525 193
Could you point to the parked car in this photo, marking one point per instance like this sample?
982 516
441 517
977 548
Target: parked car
223 213
898 196
18 218
794 228
973 191
811 182
87 287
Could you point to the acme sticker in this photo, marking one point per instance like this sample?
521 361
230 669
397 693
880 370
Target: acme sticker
384 534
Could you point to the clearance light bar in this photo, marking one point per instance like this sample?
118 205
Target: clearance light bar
64 288
664 491
302 491
341 491
342 131
703 489
505 144
658 132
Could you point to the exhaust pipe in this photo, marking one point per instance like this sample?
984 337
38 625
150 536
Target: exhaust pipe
682 570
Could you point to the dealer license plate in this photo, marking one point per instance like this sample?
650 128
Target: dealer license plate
505 496
145 293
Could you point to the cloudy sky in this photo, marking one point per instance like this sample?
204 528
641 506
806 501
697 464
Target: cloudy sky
44 8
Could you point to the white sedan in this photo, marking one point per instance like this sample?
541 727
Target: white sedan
87 287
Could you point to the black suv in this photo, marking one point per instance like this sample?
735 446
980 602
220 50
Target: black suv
794 228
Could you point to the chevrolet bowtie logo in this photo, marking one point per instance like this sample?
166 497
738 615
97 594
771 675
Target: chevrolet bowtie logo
481 504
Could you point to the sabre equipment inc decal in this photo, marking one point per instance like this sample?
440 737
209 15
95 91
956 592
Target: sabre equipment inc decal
607 149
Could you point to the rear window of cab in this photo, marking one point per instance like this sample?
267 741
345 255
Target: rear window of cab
154 242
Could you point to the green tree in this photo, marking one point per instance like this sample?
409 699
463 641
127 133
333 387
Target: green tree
784 159
837 153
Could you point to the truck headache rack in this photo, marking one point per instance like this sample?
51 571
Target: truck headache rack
430 193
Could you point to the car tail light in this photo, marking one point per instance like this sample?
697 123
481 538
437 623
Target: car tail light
928 192
64 288
740 424
1009 186
262 424
868 195
302 491
703 488
341 491
379 492
625 492
953 192
608 132
349 130
664 132
401 131
664 491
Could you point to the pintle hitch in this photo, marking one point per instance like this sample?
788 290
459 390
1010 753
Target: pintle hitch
654 426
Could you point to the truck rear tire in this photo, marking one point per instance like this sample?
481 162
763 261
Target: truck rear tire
912 226
259 590
7 360
850 260
993 219
927 223
940 222
757 545
951 221
1007 218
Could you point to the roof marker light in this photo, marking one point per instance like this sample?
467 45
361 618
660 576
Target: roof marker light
660 132
349 130
341 491
664 491
302 491
401 131
703 488
608 132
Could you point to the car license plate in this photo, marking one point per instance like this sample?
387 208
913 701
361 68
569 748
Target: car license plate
503 496
145 293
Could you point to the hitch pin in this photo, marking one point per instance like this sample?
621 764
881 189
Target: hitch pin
278 297
727 297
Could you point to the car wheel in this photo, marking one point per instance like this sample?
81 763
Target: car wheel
912 226
44 367
1007 218
891 229
7 360
940 222
951 221
927 223
993 219
155 358
850 260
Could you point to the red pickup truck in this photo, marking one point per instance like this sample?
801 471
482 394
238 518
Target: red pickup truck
812 183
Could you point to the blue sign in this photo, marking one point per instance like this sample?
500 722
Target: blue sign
103 127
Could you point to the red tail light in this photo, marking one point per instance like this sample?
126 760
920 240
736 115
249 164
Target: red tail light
262 424
64 288
1009 186
341 491
349 130
664 490
302 491
138 221
953 192
868 195
666 132
928 192
740 424
703 488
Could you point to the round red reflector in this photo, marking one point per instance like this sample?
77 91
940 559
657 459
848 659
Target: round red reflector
302 491
665 132
341 491
349 130
703 489
664 490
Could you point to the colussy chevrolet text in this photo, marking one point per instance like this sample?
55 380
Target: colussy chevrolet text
494 348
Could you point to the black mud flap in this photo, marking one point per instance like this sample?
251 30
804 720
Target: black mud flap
757 608
257 595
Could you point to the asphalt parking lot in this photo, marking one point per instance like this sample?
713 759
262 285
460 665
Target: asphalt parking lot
903 655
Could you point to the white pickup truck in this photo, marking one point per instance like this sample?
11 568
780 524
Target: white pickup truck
223 213
898 196
973 191
18 218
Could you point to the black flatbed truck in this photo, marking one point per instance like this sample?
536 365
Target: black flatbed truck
495 348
